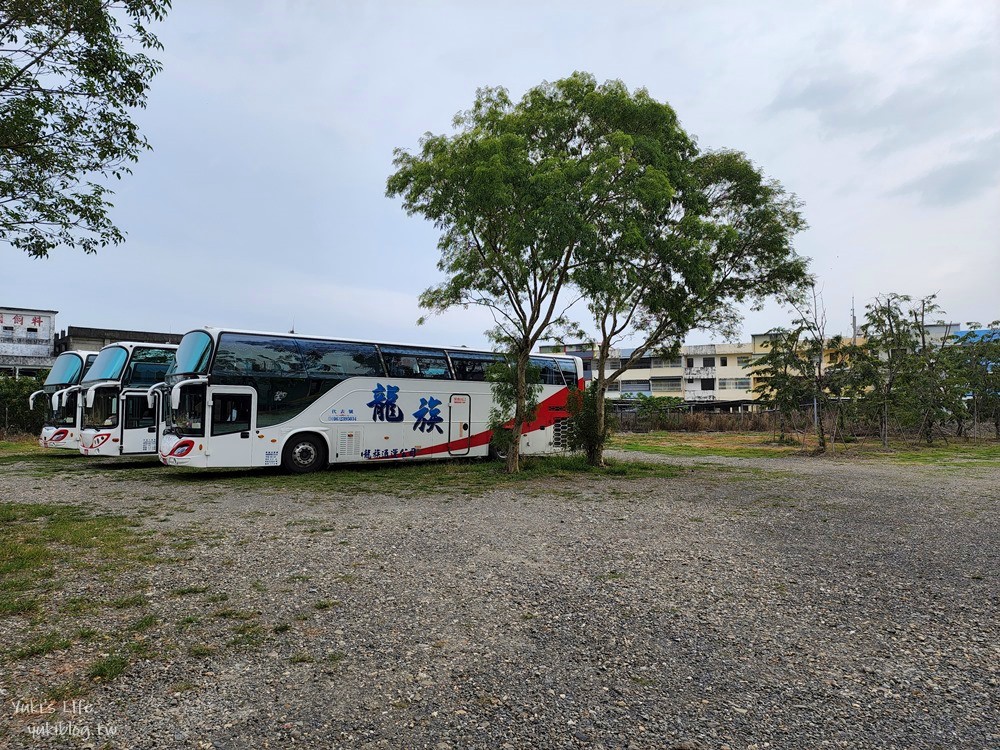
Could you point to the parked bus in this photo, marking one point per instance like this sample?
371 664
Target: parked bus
246 398
62 420
117 417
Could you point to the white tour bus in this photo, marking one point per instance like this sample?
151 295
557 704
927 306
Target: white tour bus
246 398
117 417
62 421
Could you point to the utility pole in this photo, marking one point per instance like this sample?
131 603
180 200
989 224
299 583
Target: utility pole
854 324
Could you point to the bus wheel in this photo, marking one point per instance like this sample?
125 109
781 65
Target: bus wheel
499 452
302 454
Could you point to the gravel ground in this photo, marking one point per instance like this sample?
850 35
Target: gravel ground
744 604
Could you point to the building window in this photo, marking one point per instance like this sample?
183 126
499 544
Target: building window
743 360
708 384
666 384
708 362
734 384
723 361
690 361
635 385
611 365
691 380
612 386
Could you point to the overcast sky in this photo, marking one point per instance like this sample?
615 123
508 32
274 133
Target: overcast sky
263 202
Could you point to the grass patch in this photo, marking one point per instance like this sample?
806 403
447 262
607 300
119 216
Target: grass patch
124 602
107 669
143 623
468 477
42 645
247 634
189 590
301 658
233 614
201 650
956 452
39 538
688 444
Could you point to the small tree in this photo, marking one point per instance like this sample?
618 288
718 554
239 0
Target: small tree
70 77
782 375
15 416
883 363
976 358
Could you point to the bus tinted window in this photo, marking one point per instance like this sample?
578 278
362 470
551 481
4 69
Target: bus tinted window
194 352
568 367
334 359
472 365
66 370
549 371
415 363
108 365
247 354
148 366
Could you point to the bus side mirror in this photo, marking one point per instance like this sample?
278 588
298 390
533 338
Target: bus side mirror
175 398
90 398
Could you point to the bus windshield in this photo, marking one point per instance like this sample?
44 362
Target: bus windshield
66 370
104 412
108 365
193 354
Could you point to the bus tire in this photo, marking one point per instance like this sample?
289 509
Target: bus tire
497 453
303 454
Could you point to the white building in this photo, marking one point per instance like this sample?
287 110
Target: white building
26 340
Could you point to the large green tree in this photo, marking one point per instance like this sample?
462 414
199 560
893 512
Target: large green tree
597 187
71 74
518 192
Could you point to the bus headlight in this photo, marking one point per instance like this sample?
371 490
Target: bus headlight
181 449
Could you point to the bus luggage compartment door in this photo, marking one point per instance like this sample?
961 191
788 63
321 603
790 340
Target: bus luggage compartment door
459 424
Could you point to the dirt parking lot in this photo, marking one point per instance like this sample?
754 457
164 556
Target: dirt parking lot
741 603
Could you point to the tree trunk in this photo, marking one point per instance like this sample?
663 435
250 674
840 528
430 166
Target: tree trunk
884 423
595 451
820 432
520 407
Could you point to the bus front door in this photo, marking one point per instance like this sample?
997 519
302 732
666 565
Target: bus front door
140 428
459 422
232 414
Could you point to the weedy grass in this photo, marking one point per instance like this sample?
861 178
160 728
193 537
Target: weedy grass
43 542
469 477
955 453
685 444
44 644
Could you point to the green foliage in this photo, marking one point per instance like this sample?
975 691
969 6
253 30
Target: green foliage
503 377
70 78
15 416
651 406
517 191
975 359
591 420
